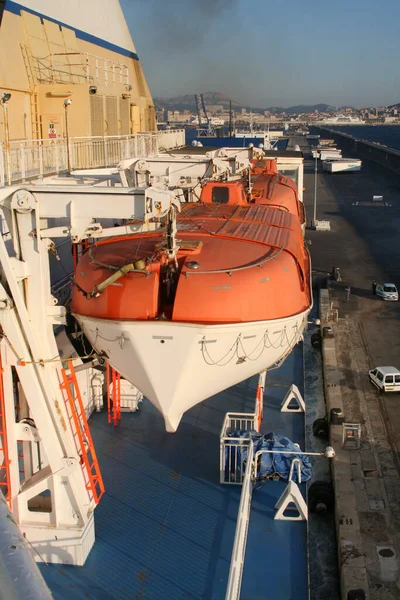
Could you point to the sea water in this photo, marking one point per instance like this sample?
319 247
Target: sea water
387 135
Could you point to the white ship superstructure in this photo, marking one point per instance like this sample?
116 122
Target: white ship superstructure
340 120
52 51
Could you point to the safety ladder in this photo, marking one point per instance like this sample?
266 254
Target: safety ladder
33 97
5 480
82 435
113 379
34 105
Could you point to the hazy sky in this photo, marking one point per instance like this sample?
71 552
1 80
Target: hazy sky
264 52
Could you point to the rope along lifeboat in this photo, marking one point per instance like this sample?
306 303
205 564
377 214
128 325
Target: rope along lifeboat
188 318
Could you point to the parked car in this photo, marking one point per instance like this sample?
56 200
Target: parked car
387 291
386 379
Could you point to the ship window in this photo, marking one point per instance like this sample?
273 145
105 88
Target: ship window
220 195
290 173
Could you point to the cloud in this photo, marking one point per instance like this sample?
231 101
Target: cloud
185 24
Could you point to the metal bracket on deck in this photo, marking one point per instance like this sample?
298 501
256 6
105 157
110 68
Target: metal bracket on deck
293 393
291 495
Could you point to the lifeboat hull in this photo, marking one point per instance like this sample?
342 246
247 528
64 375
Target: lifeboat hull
178 365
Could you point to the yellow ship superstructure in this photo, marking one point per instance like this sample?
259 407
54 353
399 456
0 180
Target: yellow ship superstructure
79 50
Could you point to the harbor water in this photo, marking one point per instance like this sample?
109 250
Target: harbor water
386 135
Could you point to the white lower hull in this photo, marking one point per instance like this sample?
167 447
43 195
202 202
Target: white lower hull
177 365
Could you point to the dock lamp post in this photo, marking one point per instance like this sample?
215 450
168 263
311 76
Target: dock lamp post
315 190
67 103
5 97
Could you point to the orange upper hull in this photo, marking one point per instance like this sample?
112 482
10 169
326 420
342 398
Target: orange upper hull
253 266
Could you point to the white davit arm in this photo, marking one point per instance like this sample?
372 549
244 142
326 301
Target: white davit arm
81 206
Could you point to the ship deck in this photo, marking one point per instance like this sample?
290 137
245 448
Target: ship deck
165 527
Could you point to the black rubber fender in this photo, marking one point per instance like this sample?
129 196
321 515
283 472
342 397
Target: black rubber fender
316 340
320 428
321 497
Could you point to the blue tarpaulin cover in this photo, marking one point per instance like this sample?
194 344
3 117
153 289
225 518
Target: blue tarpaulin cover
270 465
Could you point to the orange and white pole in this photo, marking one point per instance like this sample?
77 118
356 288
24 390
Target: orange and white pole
260 399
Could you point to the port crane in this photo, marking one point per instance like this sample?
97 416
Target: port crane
206 129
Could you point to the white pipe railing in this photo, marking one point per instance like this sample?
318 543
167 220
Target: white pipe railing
242 525
232 448
328 452
32 159
239 544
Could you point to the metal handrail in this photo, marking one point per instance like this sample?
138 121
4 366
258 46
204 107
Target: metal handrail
295 462
328 452
239 545
29 159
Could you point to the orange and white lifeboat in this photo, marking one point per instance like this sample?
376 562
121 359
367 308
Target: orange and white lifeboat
272 188
233 301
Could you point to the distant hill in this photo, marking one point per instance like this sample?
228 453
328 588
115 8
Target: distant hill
187 102
304 108
394 106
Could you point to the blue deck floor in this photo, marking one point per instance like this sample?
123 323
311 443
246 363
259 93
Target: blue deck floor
276 554
165 527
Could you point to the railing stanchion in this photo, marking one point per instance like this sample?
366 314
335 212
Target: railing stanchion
35 158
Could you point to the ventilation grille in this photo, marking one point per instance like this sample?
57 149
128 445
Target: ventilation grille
97 115
112 115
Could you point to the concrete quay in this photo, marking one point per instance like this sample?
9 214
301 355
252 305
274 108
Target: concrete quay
363 243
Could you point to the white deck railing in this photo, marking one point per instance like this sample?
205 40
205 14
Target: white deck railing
31 159
239 545
233 450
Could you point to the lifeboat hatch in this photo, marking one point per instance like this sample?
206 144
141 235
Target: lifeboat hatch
232 192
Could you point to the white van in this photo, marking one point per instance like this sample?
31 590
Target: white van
387 291
386 379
